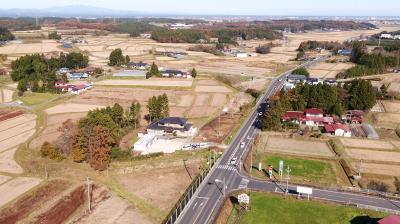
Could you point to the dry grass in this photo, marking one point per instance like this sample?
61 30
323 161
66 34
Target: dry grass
296 147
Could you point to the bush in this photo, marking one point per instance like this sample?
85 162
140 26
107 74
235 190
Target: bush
254 93
119 154
49 151
377 186
398 132
397 184
301 71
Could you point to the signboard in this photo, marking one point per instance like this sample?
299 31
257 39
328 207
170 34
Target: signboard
304 190
270 168
280 167
243 198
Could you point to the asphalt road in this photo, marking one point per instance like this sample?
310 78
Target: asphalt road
225 176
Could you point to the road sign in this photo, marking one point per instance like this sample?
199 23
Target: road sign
280 167
270 168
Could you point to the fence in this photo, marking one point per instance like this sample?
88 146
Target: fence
391 211
186 196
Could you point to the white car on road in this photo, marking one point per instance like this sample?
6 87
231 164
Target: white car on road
233 161
242 145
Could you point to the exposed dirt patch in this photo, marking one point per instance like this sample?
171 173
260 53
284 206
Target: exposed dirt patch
371 144
15 187
373 155
72 108
159 187
147 82
219 128
30 202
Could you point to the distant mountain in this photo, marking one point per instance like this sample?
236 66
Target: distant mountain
69 11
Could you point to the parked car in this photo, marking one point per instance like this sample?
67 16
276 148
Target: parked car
187 147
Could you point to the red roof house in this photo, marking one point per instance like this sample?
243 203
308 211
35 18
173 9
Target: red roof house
391 219
338 130
292 115
314 112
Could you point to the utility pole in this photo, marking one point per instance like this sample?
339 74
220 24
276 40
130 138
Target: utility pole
88 193
359 168
288 170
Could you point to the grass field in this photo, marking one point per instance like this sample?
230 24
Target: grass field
274 209
303 170
37 98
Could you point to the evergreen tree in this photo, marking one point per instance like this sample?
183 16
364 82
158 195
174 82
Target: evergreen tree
134 115
116 58
153 71
127 59
194 73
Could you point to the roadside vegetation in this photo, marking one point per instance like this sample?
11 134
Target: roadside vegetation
5 34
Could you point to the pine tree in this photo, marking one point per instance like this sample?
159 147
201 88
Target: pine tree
194 73
134 115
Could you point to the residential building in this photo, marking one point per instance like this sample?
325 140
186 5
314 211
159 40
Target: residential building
78 75
172 126
314 112
339 130
172 73
140 65
296 79
64 70
241 55
145 35
344 52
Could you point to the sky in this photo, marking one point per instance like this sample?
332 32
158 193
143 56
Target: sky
232 7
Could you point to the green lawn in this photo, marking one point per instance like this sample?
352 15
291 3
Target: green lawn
303 170
276 209
37 98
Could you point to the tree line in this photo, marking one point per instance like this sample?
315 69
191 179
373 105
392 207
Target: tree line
368 64
356 95
38 73
312 45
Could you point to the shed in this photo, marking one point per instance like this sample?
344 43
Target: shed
370 131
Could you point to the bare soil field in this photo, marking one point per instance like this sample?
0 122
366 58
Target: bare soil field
373 155
30 48
213 89
3 179
328 70
202 100
16 130
8 164
365 143
377 168
15 187
71 108
7 95
31 201
218 100
159 187
219 128
147 82
115 210
389 120
391 106
296 147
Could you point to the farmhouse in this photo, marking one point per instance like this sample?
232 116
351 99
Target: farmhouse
340 130
139 65
172 125
310 117
344 52
296 78
77 75
75 89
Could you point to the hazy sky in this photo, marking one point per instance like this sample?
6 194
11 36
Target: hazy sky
242 7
